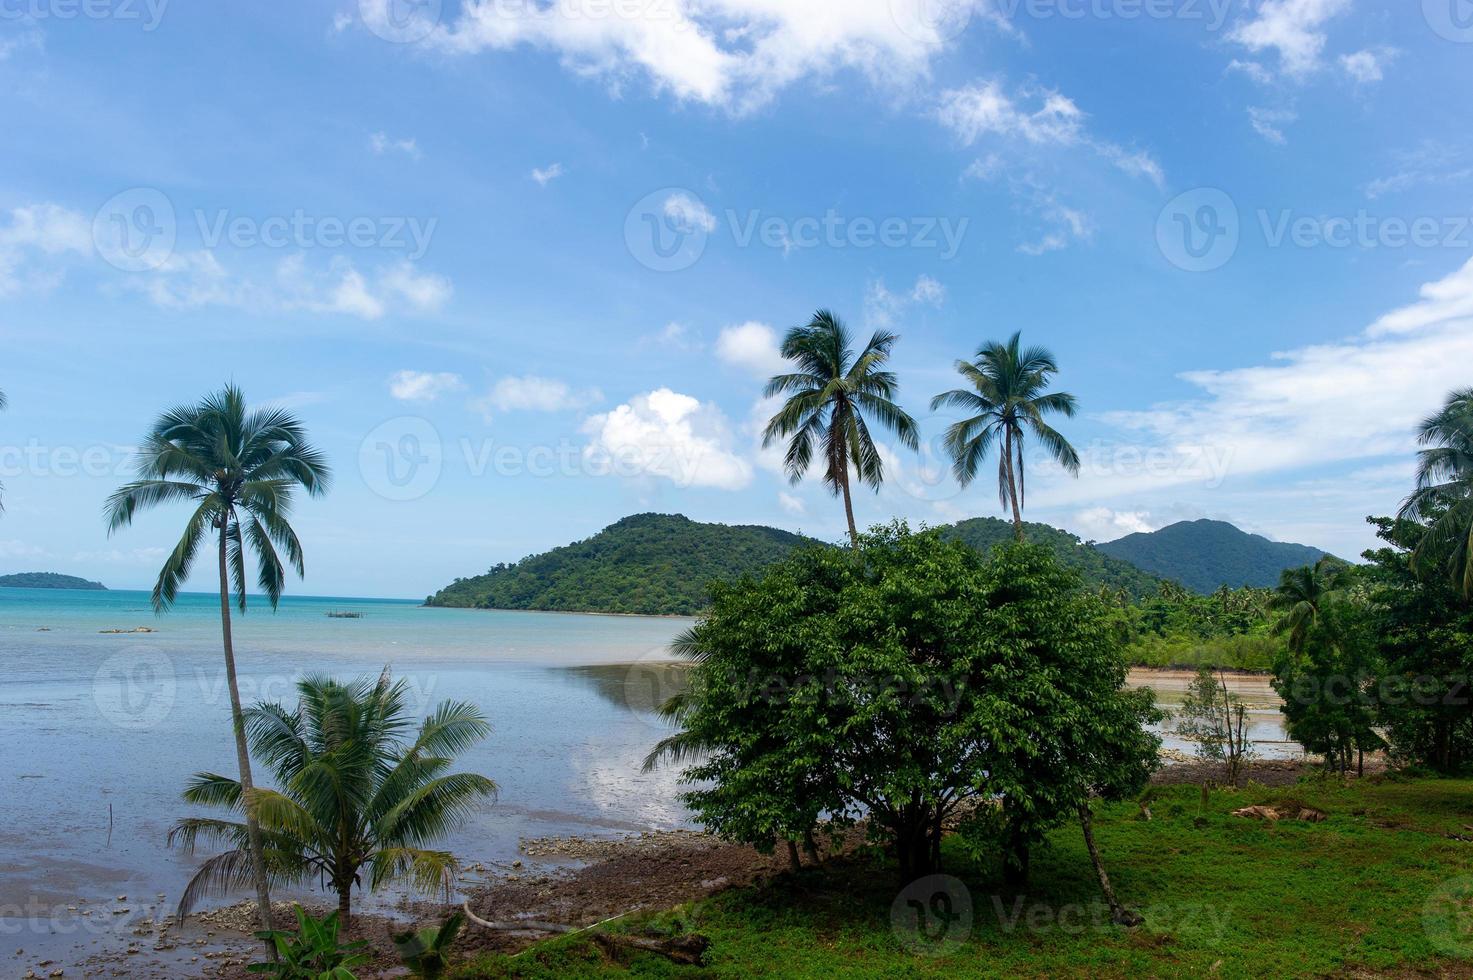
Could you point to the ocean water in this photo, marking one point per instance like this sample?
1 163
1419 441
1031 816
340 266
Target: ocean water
99 730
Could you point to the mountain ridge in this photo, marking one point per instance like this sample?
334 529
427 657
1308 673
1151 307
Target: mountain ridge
1204 555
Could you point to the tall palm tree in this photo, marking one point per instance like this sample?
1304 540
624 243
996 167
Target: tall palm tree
1009 396
1444 495
1300 599
828 398
239 470
356 805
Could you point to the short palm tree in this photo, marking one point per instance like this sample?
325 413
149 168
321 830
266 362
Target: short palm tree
1009 397
828 398
1301 597
356 804
238 470
1444 495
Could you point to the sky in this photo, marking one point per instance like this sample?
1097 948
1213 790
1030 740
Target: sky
522 267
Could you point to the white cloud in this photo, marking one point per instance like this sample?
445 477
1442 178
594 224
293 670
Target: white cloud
530 393
667 435
1445 300
1270 123
791 504
687 212
1253 70
414 386
381 143
882 308
1293 29
673 336
39 230
928 290
1104 524
753 347
1367 67
1136 163
735 54
983 109
984 168
546 175
1064 225
1429 164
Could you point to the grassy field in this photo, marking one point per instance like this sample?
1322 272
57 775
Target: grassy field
1378 887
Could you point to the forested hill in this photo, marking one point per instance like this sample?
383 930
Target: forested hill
48 580
654 564
1204 555
1096 567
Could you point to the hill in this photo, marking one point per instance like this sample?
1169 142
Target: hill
1096 567
652 564
48 580
1204 555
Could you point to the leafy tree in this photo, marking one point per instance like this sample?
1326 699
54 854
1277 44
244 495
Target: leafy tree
1008 395
1443 499
313 952
239 470
1423 632
426 952
1327 681
356 805
828 398
1301 599
1217 719
911 682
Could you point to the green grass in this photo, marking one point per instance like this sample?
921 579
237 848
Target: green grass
1221 894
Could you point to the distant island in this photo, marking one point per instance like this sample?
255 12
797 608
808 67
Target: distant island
48 580
661 564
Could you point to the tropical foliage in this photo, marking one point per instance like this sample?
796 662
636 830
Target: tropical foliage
49 580
357 805
1008 397
1443 499
907 684
1207 555
313 952
829 397
239 470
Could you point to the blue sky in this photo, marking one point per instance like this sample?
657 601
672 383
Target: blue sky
521 266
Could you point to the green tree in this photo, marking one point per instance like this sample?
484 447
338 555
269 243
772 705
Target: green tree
356 805
1009 396
1217 720
1443 499
904 686
1327 681
239 471
1301 598
828 398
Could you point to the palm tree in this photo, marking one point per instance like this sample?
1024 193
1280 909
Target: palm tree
828 398
1009 399
1301 597
239 470
1444 495
354 801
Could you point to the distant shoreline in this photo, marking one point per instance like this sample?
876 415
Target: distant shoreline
565 612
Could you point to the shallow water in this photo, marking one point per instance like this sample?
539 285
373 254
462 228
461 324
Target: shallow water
100 732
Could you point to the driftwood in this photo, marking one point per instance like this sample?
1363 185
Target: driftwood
686 950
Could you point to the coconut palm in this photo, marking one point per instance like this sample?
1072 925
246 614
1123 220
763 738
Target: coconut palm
1301 597
356 805
238 470
1444 495
1009 397
828 398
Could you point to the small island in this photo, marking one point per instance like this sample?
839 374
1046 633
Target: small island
48 580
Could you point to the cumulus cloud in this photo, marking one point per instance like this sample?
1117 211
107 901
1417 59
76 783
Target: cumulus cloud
530 393
791 504
734 54
667 435
752 347
883 309
1104 524
39 231
1367 67
414 386
984 108
1294 29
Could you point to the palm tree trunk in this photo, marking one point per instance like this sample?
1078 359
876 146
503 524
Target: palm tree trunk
345 906
849 505
242 754
1013 485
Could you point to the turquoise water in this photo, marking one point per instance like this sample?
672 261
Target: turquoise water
101 730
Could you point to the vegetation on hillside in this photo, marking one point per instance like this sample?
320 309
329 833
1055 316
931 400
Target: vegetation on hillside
48 580
649 564
1094 566
1206 555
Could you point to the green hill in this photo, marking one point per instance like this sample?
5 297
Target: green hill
1096 567
653 564
48 580
1203 555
